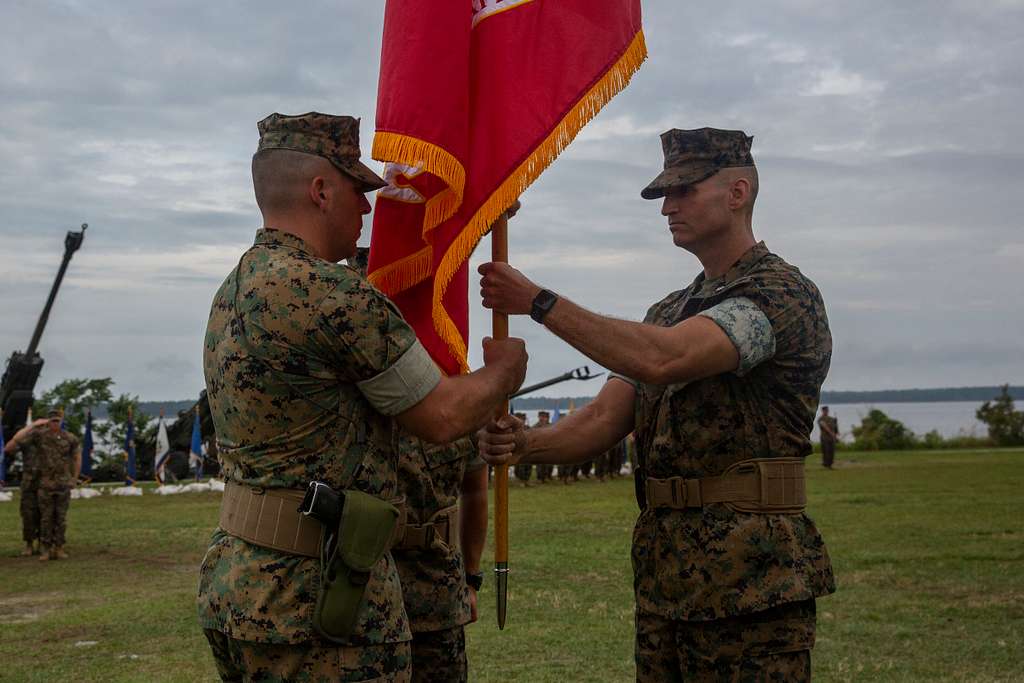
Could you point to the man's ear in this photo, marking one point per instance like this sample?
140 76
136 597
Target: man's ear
318 192
739 193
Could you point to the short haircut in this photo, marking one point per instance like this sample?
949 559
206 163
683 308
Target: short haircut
732 174
279 176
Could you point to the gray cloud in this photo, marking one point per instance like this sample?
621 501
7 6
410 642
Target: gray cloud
886 138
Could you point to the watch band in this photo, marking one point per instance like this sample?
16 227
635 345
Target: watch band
475 581
542 304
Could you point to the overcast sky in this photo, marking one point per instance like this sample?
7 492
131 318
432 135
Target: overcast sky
887 136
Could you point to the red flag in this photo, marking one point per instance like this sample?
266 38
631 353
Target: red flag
475 99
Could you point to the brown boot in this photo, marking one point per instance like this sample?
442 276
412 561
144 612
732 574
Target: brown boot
58 553
44 554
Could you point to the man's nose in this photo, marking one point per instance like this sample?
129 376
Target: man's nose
668 207
364 205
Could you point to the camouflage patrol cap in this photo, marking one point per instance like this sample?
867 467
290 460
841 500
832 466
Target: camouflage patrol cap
335 138
695 155
54 414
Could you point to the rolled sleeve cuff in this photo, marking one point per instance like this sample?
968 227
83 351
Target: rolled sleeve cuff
404 384
748 328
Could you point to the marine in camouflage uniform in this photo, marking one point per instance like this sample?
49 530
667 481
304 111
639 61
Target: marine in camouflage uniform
307 368
544 472
28 505
725 371
433 569
52 472
828 426
523 471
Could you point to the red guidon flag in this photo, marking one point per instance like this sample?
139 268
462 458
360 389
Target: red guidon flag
476 98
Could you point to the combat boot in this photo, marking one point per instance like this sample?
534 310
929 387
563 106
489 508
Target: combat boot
58 553
44 553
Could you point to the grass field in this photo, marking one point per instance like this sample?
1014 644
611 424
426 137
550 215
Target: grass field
928 549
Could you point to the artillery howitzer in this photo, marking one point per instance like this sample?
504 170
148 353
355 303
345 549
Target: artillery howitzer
22 371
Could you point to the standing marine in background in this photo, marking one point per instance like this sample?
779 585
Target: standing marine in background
829 428
522 470
309 373
438 557
52 470
544 472
444 487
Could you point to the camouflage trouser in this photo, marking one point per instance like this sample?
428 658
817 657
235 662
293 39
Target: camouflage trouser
828 452
774 645
53 516
544 472
30 514
440 656
314 661
522 472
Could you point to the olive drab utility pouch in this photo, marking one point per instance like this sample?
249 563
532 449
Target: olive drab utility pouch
364 533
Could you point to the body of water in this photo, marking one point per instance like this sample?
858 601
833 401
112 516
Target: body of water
949 419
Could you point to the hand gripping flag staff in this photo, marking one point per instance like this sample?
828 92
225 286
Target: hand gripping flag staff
476 98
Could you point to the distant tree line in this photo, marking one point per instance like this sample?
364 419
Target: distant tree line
879 432
77 397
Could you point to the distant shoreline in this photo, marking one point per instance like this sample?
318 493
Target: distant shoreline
944 395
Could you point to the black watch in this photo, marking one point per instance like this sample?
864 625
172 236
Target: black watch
542 304
475 581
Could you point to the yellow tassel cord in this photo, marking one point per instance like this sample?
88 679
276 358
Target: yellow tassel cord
608 86
404 273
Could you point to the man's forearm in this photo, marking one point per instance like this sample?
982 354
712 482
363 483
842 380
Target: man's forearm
584 433
632 349
473 518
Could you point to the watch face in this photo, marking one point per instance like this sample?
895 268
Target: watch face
542 304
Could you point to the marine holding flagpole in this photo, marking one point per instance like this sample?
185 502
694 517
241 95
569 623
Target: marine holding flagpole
309 372
721 383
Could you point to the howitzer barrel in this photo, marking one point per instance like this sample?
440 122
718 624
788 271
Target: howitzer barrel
22 371
72 242
579 373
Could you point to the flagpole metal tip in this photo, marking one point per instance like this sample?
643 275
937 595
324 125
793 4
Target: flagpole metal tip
501 591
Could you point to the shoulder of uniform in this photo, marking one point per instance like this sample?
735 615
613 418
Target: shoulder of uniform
669 299
774 271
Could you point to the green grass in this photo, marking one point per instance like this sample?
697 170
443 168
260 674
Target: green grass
928 549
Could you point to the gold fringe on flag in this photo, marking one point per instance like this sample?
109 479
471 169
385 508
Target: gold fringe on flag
586 108
405 149
404 273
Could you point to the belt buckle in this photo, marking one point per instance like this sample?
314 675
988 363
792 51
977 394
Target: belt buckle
679 493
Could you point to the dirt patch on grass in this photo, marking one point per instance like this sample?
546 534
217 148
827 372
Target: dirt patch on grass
24 609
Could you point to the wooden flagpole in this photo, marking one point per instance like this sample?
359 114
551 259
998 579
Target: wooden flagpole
499 330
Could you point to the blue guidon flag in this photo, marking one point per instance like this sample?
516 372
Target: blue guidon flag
129 452
195 453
